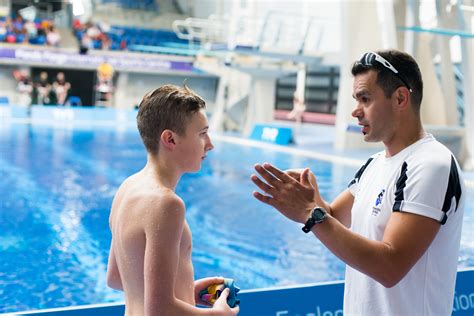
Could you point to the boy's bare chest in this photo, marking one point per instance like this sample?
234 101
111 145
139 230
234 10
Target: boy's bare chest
186 241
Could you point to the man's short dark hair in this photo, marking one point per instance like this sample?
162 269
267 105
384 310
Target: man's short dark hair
168 107
389 81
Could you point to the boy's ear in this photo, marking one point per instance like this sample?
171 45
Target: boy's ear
168 139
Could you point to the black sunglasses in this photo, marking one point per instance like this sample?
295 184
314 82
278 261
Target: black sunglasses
367 61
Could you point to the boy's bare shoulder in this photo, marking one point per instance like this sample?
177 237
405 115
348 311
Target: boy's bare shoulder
156 203
162 199
138 191
160 211
140 199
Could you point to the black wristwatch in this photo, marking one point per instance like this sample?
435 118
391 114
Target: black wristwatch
318 214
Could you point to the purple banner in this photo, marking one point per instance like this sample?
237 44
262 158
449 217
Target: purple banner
123 62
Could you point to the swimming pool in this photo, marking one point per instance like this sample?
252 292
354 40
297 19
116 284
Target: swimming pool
57 186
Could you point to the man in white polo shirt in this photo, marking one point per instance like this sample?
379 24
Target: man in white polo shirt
398 225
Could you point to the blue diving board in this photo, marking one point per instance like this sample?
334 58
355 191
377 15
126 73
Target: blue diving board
438 31
164 50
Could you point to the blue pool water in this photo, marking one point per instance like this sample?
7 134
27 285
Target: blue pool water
56 189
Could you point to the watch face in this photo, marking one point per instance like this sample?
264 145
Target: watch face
319 214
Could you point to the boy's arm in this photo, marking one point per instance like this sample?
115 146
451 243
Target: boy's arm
163 229
113 274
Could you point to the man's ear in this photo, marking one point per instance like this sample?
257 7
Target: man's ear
168 139
402 97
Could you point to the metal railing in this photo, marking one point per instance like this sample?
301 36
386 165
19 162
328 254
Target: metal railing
274 32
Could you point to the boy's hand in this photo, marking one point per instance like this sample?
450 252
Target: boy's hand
203 284
221 305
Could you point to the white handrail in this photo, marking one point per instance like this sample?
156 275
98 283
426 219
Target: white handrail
274 32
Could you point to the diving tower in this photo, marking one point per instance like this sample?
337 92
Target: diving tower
250 55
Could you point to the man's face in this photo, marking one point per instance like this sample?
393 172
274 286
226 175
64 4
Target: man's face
195 143
373 110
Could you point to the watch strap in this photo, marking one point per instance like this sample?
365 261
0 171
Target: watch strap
308 225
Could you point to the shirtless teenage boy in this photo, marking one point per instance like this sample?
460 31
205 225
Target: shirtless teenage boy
150 253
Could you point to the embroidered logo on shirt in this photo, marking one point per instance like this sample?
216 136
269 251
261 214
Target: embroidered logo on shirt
378 203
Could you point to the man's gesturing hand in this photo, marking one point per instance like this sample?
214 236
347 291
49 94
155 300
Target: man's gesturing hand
293 198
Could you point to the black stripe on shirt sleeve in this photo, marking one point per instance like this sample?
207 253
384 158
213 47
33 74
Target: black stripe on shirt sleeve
360 172
401 184
453 190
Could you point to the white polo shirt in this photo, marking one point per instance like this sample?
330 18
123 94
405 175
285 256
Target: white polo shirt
424 179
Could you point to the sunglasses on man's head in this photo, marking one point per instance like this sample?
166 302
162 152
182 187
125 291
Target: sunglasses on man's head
367 61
